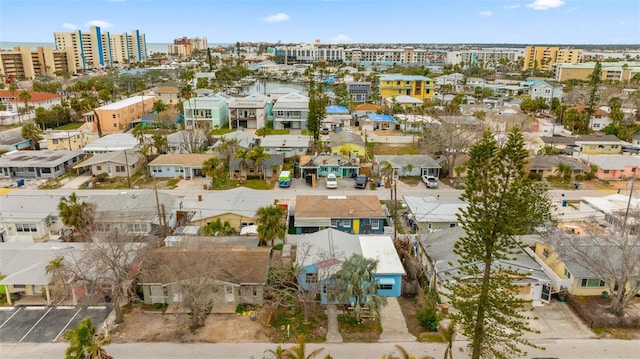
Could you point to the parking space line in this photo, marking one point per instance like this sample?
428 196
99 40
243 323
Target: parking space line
8 319
38 322
65 327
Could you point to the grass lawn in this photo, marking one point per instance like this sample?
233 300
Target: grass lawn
368 330
393 148
221 131
313 331
279 132
253 183
70 126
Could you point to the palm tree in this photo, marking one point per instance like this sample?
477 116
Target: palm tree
403 355
84 343
90 103
277 353
32 133
227 147
76 214
300 351
258 156
25 97
355 281
244 155
57 269
160 142
564 171
214 169
270 224
263 131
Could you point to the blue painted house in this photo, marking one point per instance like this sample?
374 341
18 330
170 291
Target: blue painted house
321 254
356 214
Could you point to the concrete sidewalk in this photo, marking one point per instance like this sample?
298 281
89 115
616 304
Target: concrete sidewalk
333 331
394 326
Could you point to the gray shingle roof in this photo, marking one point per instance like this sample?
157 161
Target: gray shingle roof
397 161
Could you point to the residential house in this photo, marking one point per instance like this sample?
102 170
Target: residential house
376 122
404 102
287 145
38 99
245 139
548 90
409 165
419 87
184 165
269 167
613 167
442 265
359 92
365 109
546 165
123 163
320 256
575 276
454 80
139 212
322 165
168 94
336 117
206 112
562 144
290 112
113 142
598 145
32 218
238 206
276 93
238 275
599 120
347 143
429 213
190 141
248 112
11 140
612 209
117 116
473 82
68 140
38 164
358 214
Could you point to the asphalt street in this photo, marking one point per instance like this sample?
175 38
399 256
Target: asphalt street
561 349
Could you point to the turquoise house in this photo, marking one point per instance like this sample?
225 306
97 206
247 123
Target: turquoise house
319 267
206 112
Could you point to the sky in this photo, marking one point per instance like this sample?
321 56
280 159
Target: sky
333 21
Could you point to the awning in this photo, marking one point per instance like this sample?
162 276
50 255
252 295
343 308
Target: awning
251 230
386 280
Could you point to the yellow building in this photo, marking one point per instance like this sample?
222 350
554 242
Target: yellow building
394 85
544 57
169 95
24 63
68 140
613 71
117 116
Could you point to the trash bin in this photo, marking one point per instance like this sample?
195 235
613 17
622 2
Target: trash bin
605 294
576 185
379 183
20 182
564 203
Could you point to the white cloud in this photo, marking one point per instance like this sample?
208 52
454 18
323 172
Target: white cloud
68 26
279 17
545 4
339 39
100 23
486 13
511 7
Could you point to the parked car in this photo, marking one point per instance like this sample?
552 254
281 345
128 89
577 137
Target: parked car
332 181
361 181
430 181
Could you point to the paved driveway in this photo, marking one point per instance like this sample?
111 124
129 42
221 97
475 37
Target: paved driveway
41 324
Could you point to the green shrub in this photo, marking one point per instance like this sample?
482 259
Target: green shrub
278 247
159 305
103 177
535 176
239 308
428 317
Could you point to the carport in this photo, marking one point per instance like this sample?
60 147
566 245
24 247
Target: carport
31 281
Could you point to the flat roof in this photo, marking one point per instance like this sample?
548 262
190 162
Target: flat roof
37 158
125 103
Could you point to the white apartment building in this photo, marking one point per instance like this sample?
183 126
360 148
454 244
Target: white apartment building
487 56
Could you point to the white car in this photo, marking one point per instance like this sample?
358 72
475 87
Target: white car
430 181
332 181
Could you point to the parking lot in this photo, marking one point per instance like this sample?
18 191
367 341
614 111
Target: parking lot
42 324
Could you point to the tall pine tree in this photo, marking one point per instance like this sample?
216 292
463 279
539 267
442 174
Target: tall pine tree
502 203
317 109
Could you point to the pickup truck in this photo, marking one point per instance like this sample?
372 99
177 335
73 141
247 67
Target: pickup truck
430 181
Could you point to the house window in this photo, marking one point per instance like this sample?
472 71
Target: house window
606 171
119 168
26 227
103 227
567 273
385 287
375 223
114 115
20 286
545 253
334 223
138 228
229 289
592 283
99 168
346 223
311 278
54 141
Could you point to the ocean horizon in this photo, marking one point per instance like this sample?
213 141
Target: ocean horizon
152 47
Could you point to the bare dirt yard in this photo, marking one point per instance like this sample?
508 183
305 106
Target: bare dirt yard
140 326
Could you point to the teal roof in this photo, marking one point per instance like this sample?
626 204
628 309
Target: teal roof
393 77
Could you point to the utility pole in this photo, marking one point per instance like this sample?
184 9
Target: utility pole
626 214
126 162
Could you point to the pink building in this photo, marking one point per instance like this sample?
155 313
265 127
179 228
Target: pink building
613 167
